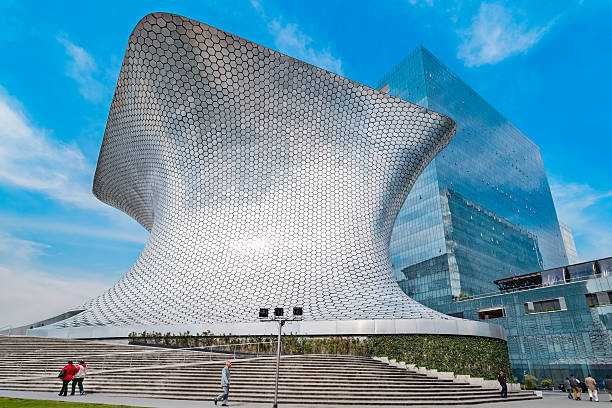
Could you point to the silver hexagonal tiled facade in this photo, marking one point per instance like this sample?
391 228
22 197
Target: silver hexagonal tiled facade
264 181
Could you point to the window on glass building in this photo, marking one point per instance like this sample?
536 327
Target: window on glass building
582 271
492 313
599 299
544 306
605 266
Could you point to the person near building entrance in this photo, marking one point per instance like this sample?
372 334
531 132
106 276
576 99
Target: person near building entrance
502 381
575 384
225 384
592 387
608 383
568 388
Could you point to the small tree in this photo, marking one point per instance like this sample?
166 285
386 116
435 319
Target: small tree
531 382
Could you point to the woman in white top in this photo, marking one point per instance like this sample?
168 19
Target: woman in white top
79 377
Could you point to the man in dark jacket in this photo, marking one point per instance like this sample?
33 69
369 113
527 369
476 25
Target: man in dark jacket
69 371
608 382
575 387
502 381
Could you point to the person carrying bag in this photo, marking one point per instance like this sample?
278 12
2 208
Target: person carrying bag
66 376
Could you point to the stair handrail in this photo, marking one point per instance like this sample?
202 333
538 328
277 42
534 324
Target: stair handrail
144 368
154 350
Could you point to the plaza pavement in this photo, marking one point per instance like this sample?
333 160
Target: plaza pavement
550 400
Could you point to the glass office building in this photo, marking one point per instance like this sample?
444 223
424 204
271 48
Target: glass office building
558 321
482 210
478 236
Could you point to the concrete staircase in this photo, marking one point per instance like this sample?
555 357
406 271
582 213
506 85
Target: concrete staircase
32 364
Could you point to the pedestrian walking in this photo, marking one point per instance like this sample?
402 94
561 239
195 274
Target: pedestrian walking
225 384
568 388
575 384
608 383
79 377
502 381
66 375
592 388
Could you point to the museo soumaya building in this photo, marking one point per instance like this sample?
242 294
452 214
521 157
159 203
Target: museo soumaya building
264 182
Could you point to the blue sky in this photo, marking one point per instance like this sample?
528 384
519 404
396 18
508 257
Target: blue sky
545 65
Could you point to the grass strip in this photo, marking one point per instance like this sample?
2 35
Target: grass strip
31 403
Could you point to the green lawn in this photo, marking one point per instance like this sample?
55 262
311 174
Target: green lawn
28 403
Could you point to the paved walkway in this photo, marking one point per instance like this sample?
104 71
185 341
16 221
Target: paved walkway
550 400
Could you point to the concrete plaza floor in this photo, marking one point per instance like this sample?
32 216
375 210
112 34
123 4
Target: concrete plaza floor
549 400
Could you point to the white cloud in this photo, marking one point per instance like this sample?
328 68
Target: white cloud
20 250
28 294
289 39
82 68
585 210
32 160
497 33
430 3
123 229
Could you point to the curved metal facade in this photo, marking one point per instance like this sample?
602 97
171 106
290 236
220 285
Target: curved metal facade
264 182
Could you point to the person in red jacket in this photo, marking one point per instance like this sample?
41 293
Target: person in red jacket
69 371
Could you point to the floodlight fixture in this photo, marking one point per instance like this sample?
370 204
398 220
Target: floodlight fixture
279 316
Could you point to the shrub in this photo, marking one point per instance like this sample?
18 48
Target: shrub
546 383
531 382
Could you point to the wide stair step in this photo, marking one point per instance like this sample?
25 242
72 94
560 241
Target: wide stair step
31 364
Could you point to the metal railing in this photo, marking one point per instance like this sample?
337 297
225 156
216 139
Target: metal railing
518 289
128 359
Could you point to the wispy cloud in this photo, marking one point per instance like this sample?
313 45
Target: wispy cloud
429 3
83 68
28 294
32 160
21 251
289 39
584 210
496 33
122 229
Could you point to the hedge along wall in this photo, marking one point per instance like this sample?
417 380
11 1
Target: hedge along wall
476 356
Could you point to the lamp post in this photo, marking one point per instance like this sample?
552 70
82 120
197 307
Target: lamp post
279 316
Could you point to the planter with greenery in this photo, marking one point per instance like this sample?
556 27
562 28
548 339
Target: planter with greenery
476 356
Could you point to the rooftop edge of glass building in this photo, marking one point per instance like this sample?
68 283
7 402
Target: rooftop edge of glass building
558 321
482 209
